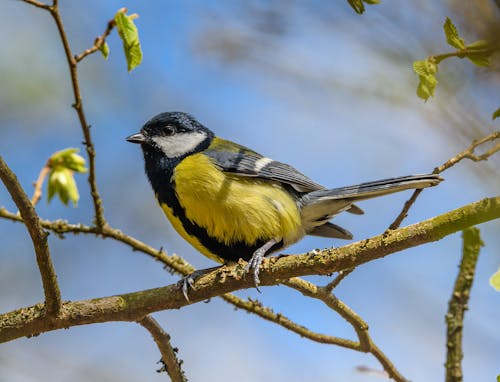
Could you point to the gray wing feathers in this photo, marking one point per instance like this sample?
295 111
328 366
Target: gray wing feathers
249 163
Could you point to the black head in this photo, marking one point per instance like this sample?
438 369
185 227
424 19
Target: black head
173 134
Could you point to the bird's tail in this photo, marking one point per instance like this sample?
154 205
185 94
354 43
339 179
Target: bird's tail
320 206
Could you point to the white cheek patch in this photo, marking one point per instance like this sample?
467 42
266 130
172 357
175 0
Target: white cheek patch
261 163
179 144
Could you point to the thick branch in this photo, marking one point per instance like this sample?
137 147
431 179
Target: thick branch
458 304
168 354
134 306
38 237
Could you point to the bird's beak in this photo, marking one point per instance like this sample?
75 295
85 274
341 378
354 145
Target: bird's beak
136 138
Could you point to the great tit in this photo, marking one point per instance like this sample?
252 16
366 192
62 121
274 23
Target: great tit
230 202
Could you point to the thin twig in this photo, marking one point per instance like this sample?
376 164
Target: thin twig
365 343
171 364
254 306
98 42
37 194
37 4
458 303
38 237
467 153
100 221
336 281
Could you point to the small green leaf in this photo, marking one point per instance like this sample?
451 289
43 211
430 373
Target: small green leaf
452 36
358 5
480 59
68 158
495 280
104 49
480 44
130 38
496 114
62 183
426 70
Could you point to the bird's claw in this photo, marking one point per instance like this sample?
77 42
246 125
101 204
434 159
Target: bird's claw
254 264
185 283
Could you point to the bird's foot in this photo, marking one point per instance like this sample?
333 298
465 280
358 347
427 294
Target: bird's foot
256 260
187 282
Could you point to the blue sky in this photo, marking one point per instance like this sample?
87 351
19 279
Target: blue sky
320 96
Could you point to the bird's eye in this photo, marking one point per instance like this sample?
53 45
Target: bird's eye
169 130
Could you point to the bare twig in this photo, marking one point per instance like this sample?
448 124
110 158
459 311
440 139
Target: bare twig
89 145
37 194
337 280
467 153
38 237
98 42
78 106
38 4
253 306
134 306
470 154
365 343
458 304
171 364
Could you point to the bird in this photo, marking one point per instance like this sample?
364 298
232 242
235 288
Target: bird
230 202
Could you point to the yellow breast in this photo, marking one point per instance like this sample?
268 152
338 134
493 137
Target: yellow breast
233 208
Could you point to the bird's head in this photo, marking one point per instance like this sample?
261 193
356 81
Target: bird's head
173 134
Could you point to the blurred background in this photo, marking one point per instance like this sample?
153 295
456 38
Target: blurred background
311 84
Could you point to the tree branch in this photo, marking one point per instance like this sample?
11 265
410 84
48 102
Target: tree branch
98 42
133 306
37 4
78 106
38 237
168 354
467 153
37 194
365 343
458 303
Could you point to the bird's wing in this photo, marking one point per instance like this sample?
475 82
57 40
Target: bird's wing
233 158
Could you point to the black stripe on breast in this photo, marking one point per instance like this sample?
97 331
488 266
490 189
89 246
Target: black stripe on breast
231 252
160 170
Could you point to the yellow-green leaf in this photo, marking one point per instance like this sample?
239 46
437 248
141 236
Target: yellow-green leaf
358 5
495 280
480 44
452 36
426 70
68 158
480 59
496 114
104 49
62 183
130 37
